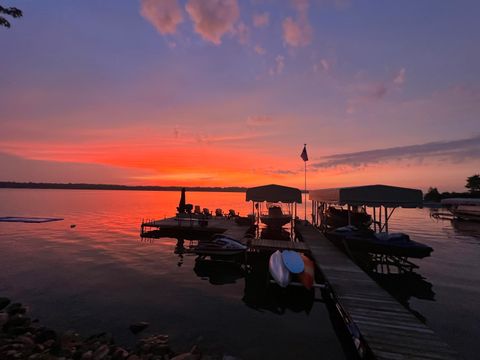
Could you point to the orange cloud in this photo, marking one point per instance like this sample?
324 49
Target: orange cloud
164 15
213 18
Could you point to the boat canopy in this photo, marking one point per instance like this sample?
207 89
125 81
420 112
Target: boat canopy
274 193
370 195
461 201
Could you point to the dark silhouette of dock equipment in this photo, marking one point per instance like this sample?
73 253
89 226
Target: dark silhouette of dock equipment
388 329
380 326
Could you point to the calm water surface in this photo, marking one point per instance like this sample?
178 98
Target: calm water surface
101 276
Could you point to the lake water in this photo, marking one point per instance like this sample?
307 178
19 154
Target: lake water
101 276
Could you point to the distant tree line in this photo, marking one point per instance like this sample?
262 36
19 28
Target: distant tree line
9 11
473 186
81 186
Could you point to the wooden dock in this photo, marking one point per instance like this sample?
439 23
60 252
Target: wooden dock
273 245
390 331
225 226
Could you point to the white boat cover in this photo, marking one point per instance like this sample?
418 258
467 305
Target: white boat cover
370 195
460 201
274 193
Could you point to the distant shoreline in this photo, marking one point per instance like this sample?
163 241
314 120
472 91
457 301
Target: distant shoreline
80 186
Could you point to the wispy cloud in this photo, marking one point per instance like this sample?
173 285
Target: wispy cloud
298 32
399 77
449 151
259 120
242 33
261 20
260 50
213 18
164 15
279 65
366 91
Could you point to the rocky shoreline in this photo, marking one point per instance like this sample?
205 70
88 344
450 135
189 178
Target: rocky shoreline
24 338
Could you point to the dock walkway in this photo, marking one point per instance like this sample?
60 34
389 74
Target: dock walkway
389 329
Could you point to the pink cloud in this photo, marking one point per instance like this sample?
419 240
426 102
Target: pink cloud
298 32
213 18
164 15
323 65
301 5
279 65
259 120
261 20
260 50
242 32
400 77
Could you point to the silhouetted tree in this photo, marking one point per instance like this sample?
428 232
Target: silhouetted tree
432 195
473 183
11 11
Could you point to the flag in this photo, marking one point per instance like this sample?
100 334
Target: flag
304 155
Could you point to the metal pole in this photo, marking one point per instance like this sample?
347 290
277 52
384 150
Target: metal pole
386 220
305 196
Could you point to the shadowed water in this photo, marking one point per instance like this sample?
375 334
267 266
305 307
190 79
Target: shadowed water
100 275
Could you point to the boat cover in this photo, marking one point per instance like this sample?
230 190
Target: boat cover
370 195
274 193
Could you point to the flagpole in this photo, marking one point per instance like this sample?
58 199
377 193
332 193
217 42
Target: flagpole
305 196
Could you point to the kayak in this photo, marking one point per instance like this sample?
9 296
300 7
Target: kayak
278 270
307 277
293 261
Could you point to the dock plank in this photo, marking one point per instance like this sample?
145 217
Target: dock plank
390 330
264 244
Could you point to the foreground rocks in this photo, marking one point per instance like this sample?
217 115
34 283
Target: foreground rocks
24 338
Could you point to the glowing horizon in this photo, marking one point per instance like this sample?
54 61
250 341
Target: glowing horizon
225 93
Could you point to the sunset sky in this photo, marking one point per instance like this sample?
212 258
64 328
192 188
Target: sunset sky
226 92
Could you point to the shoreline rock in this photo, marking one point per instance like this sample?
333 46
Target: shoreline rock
22 338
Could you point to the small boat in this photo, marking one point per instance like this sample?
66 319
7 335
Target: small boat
275 218
278 270
293 261
464 209
307 277
393 244
220 245
339 217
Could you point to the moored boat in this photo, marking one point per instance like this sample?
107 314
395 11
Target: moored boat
341 217
391 244
362 238
220 245
464 209
275 196
275 218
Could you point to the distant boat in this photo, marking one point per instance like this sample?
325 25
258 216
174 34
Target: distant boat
465 209
220 245
275 218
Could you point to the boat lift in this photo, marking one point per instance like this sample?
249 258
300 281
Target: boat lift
383 199
274 194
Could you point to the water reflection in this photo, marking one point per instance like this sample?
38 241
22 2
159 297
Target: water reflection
405 285
276 234
471 229
261 295
218 272
101 271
